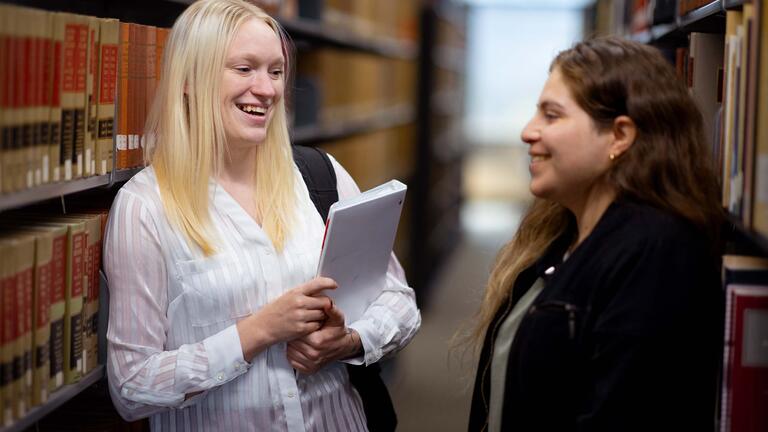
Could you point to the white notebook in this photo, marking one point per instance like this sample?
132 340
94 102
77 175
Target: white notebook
359 235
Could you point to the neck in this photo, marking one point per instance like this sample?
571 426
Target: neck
239 166
589 210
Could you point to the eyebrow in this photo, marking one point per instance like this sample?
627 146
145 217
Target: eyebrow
280 60
548 104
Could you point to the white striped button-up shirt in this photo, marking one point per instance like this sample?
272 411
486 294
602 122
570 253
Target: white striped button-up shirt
173 313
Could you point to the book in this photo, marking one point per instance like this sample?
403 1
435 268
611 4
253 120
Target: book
357 245
760 181
56 292
121 139
17 317
744 270
91 111
6 90
7 336
109 44
41 317
745 377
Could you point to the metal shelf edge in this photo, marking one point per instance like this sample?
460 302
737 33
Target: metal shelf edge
56 399
701 13
733 4
125 174
48 191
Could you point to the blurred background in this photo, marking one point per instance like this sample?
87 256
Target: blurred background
434 93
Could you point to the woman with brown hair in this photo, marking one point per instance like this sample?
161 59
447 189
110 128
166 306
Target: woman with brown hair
604 311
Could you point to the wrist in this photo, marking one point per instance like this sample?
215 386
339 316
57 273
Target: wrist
254 337
355 344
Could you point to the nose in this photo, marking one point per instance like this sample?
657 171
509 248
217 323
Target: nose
262 85
530 133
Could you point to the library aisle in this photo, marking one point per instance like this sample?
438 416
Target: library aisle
429 381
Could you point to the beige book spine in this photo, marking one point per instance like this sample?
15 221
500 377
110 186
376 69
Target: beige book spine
25 261
73 315
92 77
7 326
5 89
46 97
41 335
107 93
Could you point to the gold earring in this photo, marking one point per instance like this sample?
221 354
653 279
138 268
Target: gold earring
612 156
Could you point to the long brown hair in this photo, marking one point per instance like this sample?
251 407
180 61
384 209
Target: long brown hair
668 166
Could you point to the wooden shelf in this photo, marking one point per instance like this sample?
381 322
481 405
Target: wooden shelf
53 190
56 399
317 31
383 119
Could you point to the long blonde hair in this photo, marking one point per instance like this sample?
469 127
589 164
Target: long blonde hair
186 125
668 166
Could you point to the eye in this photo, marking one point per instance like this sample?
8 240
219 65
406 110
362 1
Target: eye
276 73
550 116
242 69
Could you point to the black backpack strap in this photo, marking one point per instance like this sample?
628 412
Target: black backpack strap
320 177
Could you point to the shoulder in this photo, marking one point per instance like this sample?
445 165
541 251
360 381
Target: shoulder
143 184
141 193
345 184
642 224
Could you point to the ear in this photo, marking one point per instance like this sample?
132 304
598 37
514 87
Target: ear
624 132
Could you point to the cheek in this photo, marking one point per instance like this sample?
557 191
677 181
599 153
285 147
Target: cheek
279 89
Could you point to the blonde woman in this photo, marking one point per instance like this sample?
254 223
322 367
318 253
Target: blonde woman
216 319
604 311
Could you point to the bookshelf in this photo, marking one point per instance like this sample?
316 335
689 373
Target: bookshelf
718 48
55 190
437 191
56 400
375 137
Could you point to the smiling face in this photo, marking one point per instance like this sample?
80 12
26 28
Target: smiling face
569 156
252 84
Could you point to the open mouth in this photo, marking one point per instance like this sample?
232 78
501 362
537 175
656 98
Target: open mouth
252 110
539 158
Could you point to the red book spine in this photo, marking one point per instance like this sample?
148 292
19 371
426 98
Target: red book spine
749 369
59 269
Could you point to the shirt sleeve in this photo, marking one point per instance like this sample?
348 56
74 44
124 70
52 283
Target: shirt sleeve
393 319
144 377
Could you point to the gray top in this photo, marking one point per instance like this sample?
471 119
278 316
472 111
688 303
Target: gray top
501 347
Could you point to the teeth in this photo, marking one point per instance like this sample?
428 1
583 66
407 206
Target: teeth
538 158
252 109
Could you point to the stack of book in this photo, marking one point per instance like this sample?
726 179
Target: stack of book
49 298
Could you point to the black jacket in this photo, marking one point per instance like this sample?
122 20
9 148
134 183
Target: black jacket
625 336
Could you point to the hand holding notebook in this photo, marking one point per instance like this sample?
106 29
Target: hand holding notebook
359 235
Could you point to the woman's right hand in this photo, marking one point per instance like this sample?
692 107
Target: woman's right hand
296 313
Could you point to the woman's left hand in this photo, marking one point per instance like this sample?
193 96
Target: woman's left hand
332 342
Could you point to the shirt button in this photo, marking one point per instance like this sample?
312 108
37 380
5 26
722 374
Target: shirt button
220 376
291 395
